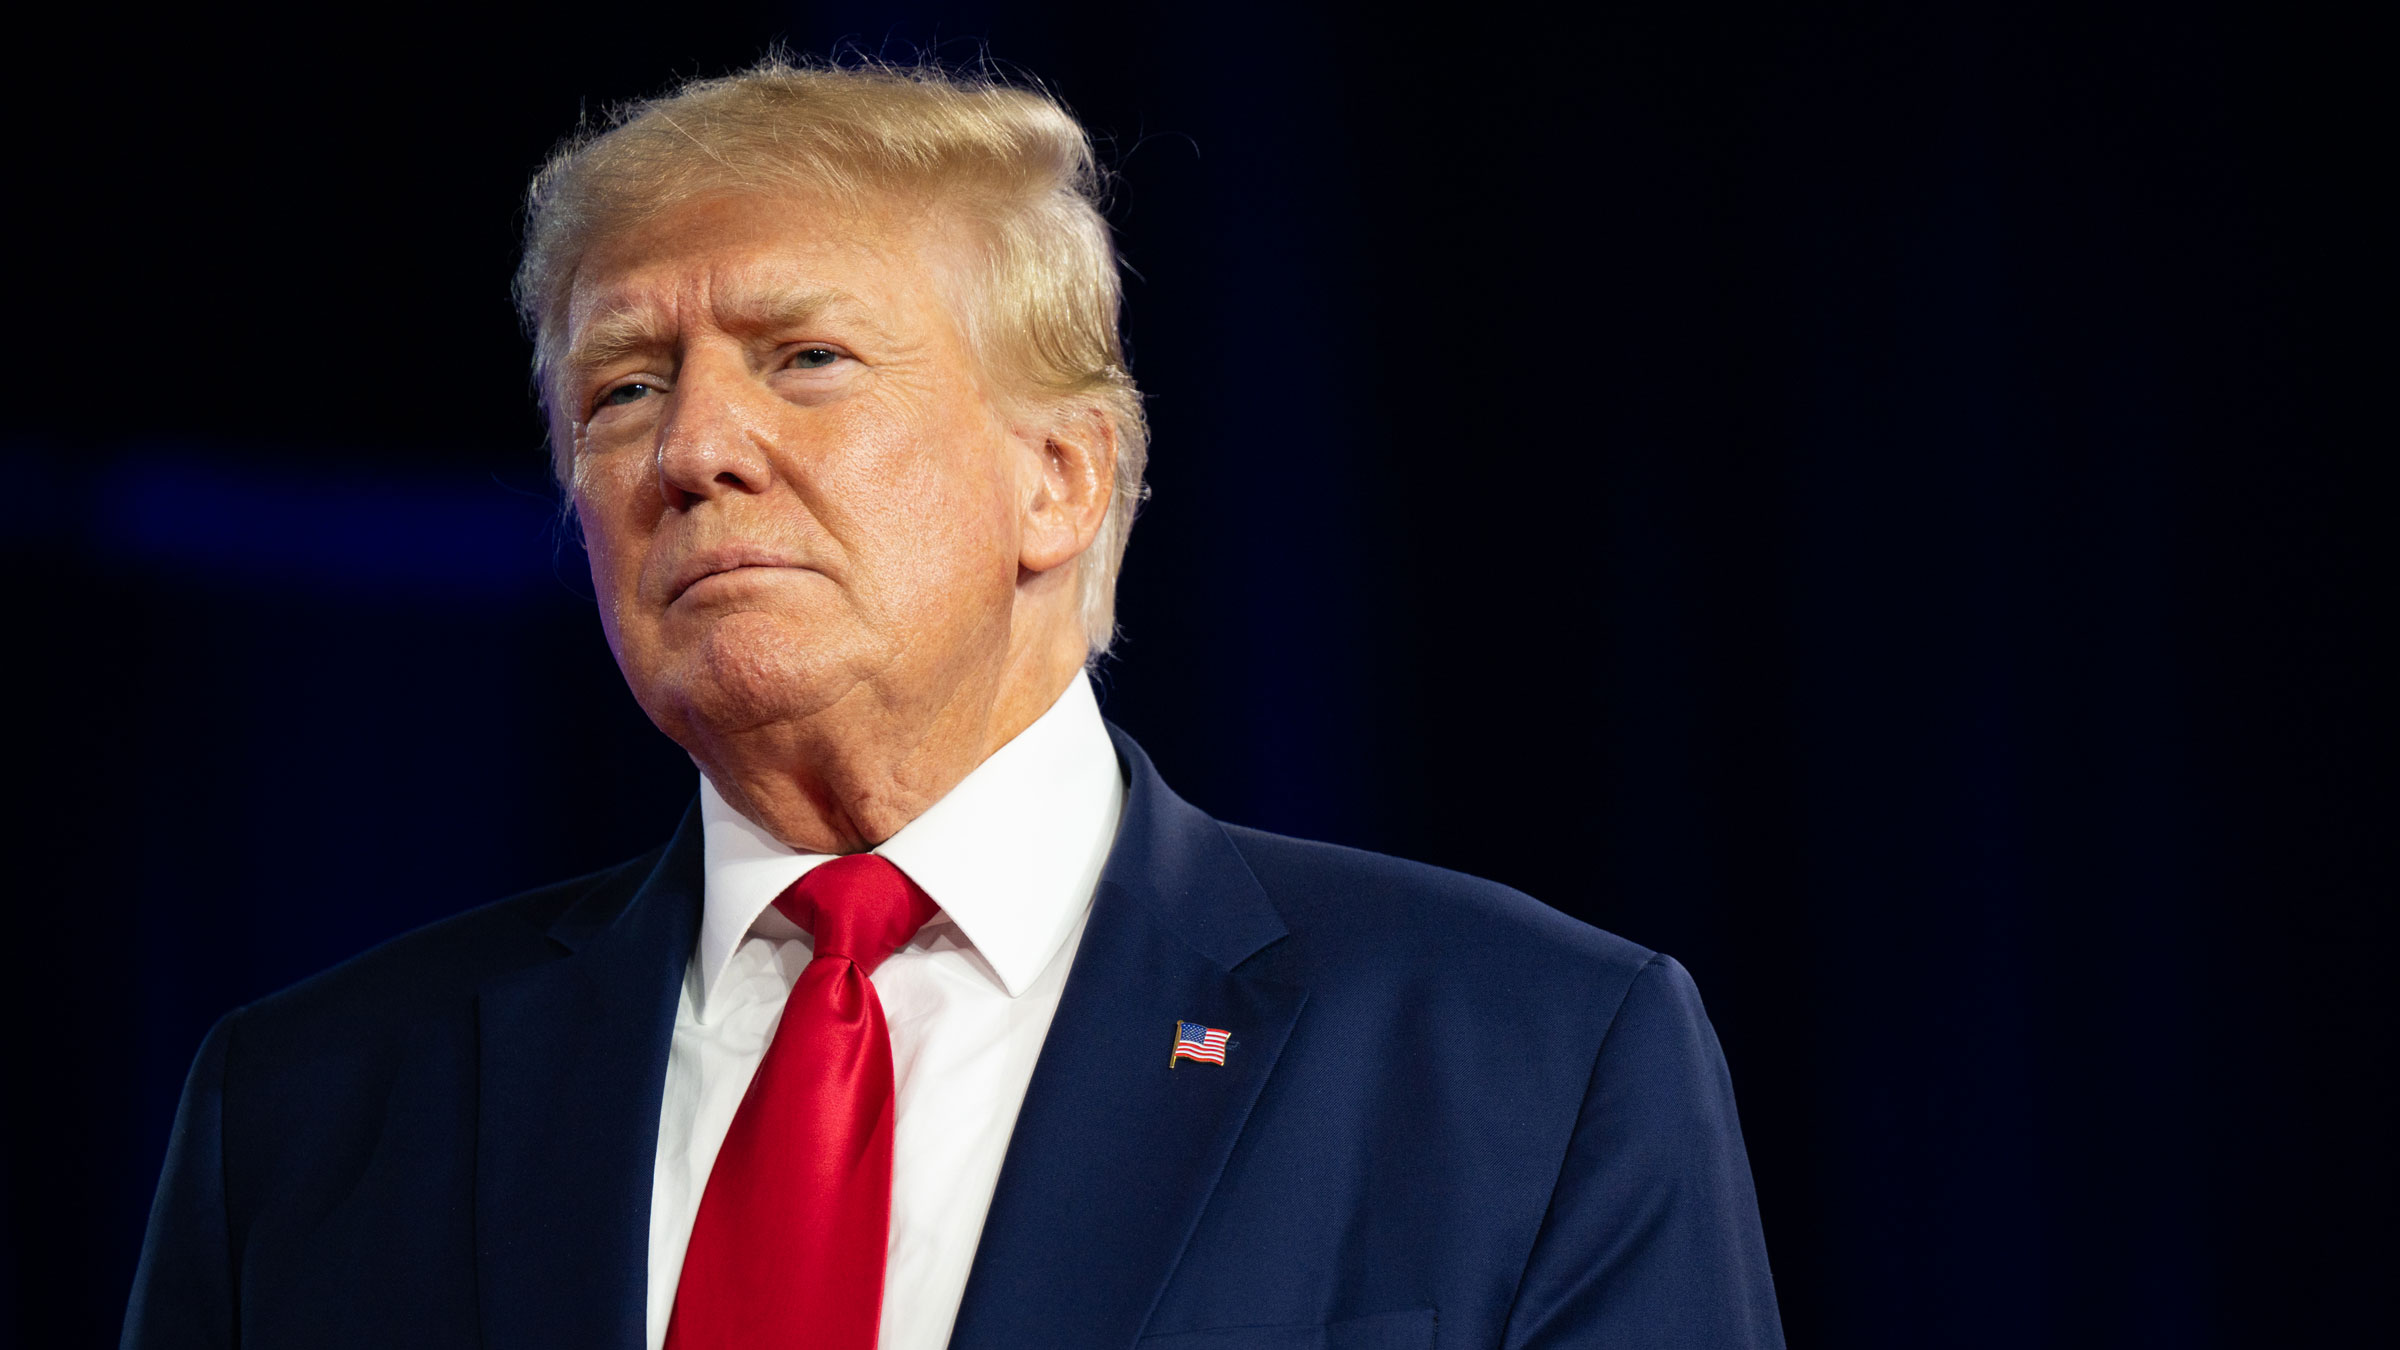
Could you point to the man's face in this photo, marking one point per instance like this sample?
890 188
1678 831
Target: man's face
794 488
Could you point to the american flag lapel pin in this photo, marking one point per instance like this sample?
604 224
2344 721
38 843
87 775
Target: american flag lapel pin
1196 1042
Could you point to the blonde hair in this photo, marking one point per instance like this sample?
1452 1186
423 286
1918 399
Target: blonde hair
1009 162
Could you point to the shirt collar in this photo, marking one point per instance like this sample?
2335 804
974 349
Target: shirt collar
1011 855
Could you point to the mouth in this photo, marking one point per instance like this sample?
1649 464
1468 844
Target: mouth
723 562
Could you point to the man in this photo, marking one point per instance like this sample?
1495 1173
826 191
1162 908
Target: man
940 1020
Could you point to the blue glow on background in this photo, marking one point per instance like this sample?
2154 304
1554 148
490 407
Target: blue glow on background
308 531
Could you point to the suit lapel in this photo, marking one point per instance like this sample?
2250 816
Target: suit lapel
1115 1152
573 1056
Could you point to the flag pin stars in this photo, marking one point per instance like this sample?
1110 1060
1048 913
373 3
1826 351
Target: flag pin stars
1193 1041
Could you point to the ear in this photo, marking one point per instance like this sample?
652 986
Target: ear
1074 474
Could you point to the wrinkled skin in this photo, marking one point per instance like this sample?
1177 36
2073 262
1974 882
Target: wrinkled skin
835 563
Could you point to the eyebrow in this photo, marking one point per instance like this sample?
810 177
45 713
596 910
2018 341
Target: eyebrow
625 332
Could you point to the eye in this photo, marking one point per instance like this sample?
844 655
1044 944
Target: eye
815 358
626 393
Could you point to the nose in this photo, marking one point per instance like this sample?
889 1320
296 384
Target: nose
710 444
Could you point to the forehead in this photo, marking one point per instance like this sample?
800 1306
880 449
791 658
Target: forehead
729 260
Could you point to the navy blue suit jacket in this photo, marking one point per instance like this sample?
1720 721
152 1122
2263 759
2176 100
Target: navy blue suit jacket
1448 1114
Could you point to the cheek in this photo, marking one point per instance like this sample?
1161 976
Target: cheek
937 499
615 534
968 529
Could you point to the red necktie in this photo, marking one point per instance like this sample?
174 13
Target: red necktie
788 1246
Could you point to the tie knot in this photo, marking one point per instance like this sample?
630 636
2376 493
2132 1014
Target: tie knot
858 907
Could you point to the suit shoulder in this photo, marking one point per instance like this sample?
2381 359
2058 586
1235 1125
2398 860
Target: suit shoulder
1391 907
400 979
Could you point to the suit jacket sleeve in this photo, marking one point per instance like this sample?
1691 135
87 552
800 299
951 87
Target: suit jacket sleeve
1652 1235
183 1289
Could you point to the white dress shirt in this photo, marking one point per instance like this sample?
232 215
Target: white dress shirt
1011 855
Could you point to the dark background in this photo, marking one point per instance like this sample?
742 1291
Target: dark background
1875 502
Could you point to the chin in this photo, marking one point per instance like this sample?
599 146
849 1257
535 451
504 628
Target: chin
751 670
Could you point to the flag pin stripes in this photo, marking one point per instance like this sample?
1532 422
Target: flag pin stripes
1196 1042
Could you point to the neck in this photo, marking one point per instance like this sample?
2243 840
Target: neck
851 775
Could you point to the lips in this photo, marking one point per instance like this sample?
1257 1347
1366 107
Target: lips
720 560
